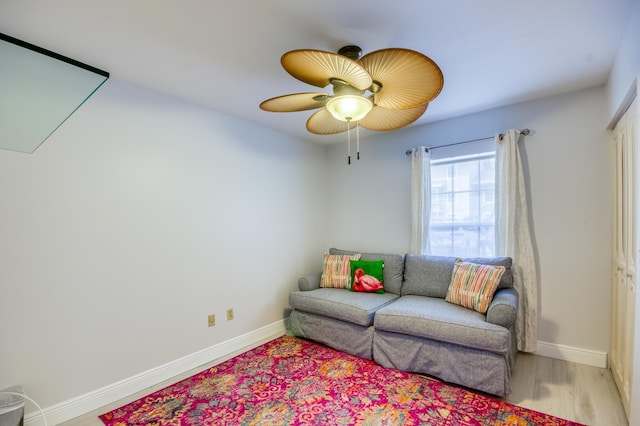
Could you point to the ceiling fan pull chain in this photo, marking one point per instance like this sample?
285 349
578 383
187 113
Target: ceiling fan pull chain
348 144
358 140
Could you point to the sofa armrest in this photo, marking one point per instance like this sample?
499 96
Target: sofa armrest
503 308
309 282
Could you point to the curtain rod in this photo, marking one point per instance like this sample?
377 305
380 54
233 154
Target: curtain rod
500 136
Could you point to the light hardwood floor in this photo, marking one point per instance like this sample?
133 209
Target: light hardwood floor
564 389
576 392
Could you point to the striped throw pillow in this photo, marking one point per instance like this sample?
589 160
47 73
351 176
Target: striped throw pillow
473 285
336 272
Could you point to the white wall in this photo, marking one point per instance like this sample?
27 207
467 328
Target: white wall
626 67
570 178
138 217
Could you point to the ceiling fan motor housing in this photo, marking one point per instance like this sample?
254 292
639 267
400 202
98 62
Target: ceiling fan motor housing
341 88
352 52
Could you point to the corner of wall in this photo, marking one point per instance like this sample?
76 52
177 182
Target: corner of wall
626 69
628 98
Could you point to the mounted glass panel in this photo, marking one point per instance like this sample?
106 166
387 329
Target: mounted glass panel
39 90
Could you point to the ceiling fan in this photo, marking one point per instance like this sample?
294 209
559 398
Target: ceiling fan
383 90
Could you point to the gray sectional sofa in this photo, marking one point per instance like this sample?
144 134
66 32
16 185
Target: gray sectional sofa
411 327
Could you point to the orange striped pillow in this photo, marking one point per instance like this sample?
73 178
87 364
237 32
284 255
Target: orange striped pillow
473 285
336 272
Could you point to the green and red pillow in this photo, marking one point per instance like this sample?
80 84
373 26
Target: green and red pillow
367 276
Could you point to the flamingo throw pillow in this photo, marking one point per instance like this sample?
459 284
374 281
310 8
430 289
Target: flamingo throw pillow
366 276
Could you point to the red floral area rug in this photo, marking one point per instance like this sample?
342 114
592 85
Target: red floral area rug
291 381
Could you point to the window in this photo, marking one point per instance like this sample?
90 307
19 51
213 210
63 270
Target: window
462 206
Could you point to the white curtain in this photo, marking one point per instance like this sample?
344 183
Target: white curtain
513 236
420 200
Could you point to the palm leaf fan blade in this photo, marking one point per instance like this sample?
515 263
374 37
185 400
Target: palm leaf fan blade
318 68
323 123
408 78
295 102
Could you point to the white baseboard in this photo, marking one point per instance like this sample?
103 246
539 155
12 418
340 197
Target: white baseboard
573 354
91 401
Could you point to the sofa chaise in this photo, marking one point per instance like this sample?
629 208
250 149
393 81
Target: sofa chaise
411 326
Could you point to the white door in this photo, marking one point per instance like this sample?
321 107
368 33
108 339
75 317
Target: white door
625 254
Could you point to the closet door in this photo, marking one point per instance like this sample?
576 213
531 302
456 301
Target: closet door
632 257
625 254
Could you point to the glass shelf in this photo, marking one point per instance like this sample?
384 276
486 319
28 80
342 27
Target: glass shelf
39 90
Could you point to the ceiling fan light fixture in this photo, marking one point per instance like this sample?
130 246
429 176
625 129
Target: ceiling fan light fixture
399 82
349 107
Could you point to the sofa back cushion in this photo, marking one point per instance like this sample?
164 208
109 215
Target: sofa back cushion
426 275
393 267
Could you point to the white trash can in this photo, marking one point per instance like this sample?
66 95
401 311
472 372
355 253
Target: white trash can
11 407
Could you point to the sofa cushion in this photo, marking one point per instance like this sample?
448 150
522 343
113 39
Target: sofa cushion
357 308
336 270
473 285
393 267
426 275
436 319
367 276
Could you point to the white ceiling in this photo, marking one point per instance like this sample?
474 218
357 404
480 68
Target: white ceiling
225 54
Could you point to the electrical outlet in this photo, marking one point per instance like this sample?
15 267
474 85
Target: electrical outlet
229 314
212 320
